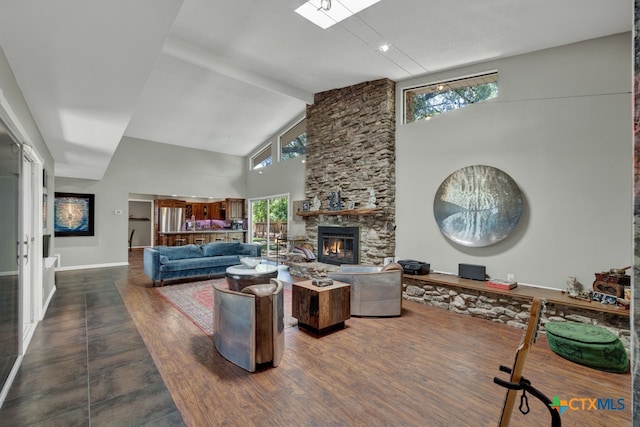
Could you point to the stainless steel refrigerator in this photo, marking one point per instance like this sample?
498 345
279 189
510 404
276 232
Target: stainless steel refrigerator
170 219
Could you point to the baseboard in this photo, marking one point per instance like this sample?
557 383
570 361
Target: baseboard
45 307
12 375
85 267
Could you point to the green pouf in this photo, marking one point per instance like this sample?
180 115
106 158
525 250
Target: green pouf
587 345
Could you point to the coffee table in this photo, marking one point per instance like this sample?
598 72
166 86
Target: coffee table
321 309
240 276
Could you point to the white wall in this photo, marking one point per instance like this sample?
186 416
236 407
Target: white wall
287 177
144 167
561 128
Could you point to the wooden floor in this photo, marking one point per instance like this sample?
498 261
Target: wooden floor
429 367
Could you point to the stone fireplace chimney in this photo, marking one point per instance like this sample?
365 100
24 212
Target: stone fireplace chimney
351 149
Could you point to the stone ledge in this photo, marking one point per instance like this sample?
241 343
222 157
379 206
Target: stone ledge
311 269
526 292
512 309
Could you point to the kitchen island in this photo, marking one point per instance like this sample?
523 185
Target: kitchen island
200 236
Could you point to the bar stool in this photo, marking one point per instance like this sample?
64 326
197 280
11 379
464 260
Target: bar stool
179 242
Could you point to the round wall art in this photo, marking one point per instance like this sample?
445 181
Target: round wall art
477 206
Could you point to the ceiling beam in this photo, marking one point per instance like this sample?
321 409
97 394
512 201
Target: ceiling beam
206 59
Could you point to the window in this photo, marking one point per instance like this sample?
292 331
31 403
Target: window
293 143
262 158
424 102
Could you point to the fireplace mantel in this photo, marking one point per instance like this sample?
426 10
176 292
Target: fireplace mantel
360 212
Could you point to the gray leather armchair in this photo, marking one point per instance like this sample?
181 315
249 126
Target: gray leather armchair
375 291
248 326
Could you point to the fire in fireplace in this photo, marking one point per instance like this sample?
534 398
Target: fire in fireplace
339 245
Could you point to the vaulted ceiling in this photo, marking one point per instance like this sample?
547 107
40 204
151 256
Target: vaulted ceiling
224 76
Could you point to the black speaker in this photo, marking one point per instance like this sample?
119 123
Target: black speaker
411 266
472 271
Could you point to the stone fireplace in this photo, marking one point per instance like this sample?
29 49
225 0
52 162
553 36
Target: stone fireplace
351 150
339 245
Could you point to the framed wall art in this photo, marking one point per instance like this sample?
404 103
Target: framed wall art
73 214
477 206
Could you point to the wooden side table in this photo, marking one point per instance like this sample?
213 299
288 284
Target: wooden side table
321 309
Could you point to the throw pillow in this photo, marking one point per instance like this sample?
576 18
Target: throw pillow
308 254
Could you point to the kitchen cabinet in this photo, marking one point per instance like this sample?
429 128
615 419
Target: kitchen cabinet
216 210
235 237
198 237
235 208
169 203
199 210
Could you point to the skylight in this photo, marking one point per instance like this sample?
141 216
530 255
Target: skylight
317 11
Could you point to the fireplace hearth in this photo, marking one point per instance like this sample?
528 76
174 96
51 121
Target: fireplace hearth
339 245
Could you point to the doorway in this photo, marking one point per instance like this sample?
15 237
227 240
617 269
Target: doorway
269 223
140 232
21 257
30 243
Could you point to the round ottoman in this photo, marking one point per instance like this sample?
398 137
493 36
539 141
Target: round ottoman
587 345
241 276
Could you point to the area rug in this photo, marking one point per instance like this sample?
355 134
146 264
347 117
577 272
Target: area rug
195 301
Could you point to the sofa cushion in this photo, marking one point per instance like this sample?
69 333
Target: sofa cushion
222 261
180 252
220 248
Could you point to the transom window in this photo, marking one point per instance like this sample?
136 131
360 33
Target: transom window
424 102
293 143
262 158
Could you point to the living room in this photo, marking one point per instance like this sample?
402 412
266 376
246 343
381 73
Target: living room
551 142
552 158
562 128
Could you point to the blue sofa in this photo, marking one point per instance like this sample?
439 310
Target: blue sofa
175 262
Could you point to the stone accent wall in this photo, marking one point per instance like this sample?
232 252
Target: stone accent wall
309 270
351 149
511 310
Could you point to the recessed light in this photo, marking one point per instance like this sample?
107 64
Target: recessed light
384 47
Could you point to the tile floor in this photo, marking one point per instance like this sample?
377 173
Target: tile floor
87 364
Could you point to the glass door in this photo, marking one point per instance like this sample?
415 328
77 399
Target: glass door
10 252
269 223
32 230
